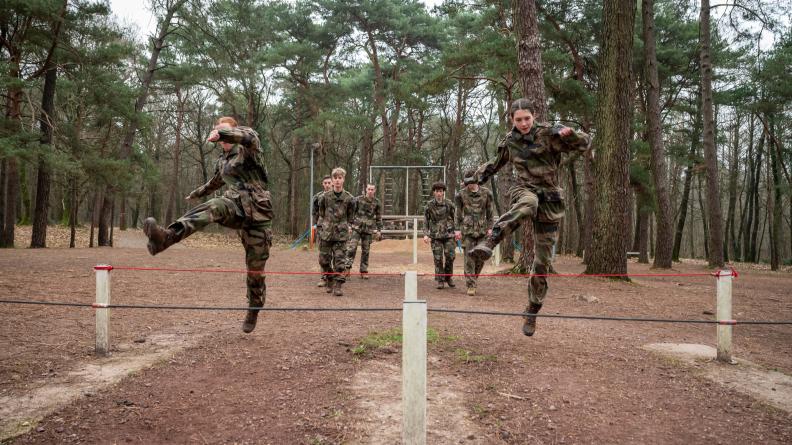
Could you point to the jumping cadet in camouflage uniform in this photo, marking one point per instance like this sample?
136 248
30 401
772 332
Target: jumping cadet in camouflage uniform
475 213
245 206
327 184
336 211
439 229
534 151
367 225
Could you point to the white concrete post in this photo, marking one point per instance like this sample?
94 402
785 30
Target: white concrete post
415 240
102 312
724 316
414 326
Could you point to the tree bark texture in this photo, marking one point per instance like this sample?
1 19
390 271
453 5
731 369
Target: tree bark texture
531 79
612 186
715 256
664 240
41 212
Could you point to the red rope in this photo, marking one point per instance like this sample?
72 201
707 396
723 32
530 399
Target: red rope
495 275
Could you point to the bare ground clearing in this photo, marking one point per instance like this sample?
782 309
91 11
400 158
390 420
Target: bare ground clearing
296 379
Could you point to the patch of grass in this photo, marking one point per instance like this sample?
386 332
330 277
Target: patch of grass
465 356
480 410
377 340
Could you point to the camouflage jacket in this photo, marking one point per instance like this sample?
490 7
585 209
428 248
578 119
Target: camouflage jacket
368 215
315 207
242 170
336 214
535 157
475 211
439 219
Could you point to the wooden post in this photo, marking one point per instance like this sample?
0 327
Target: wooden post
102 312
415 240
724 316
414 326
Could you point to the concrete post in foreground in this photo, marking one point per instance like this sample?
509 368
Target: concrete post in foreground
102 312
414 326
724 315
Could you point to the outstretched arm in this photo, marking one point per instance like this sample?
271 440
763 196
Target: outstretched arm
213 184
492 166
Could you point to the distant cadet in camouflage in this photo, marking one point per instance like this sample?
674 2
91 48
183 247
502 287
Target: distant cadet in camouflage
535 152
475 214
327 184
439 230
336 212
367 225
245 206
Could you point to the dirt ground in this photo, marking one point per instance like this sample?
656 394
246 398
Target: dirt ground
194 377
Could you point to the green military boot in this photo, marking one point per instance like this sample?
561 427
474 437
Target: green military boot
329 282
471 291
483 251
440 284
529 326
450 282
337 292
159 238
321 283
250 319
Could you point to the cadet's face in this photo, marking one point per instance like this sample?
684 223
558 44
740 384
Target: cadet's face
472 187
522 120
224 126
370 191
439 194
327 184
338 183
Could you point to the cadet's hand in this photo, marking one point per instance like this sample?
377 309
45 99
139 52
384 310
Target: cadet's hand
378 235
590 154
214 136
457 235
189 197
426 239
566 131
489 232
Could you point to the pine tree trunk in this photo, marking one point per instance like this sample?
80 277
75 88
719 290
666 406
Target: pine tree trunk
776 202
608 243
715 255
753 253
734 172
40 214
531 79
664 240
581 225
702 208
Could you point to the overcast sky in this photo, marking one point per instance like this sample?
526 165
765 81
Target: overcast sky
138 14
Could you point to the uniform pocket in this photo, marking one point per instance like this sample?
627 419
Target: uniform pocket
261 206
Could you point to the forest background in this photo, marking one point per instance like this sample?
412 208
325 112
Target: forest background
688 103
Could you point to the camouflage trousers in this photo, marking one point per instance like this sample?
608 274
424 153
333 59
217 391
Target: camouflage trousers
472 267
364 239
332 258
443 250
545 236
256 237
545 216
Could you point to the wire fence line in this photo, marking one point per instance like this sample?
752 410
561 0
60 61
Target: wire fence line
396 309
421 274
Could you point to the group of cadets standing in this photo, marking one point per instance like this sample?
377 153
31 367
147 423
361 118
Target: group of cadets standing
534 151
342 223
467 219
